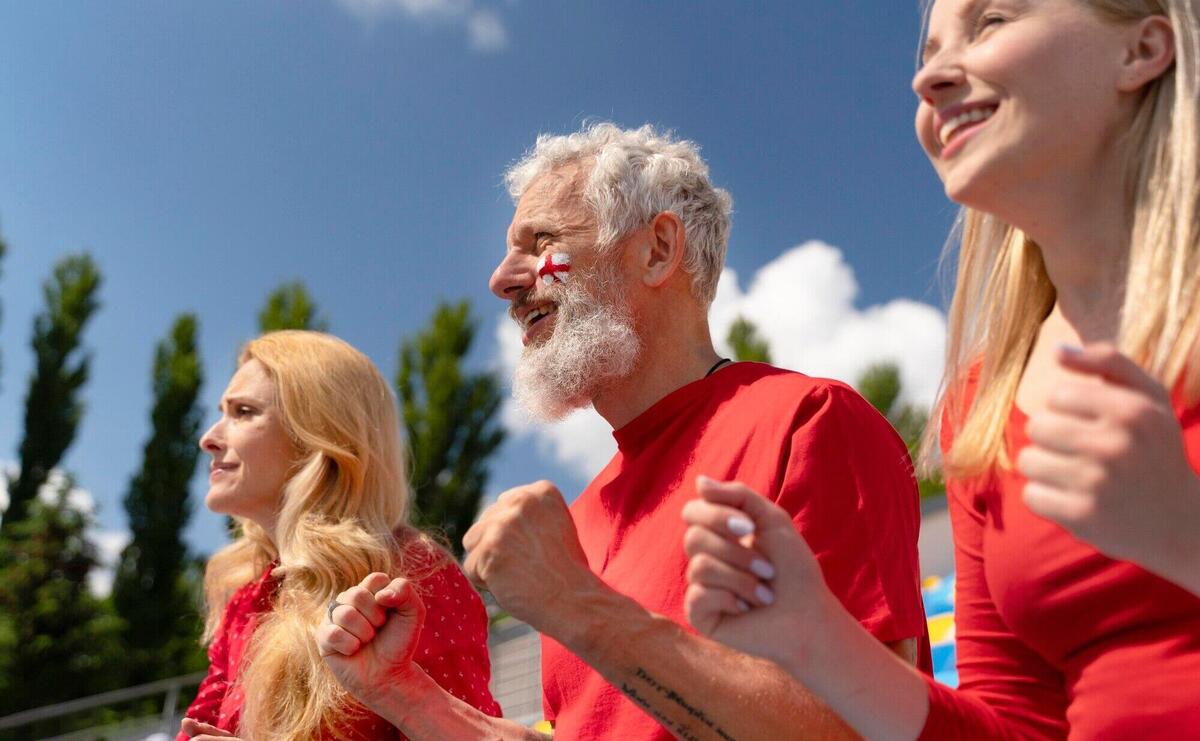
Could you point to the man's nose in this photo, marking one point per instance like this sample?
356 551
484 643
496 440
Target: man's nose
515 274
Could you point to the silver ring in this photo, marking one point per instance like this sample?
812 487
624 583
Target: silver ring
333 605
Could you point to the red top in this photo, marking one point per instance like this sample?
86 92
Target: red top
452 649
813 446
1055 639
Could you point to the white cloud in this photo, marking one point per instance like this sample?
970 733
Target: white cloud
486 31
108 543
802 303
485 28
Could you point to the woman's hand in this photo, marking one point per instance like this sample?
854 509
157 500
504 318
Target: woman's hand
198 731
369 639
1106 461
753 583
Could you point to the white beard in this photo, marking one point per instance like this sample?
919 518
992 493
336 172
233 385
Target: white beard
593 342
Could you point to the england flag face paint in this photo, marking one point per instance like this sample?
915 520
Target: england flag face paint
553 268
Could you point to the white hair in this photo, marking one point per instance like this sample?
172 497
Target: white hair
638 174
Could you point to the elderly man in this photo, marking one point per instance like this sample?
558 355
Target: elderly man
613 258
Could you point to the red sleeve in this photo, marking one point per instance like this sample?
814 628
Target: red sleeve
453 647
1005 690
207 705
848 483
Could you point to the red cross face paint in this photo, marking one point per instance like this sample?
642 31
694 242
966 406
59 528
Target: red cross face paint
553 268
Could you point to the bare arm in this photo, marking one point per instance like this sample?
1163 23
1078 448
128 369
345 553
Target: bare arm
694 687
424 711
368 642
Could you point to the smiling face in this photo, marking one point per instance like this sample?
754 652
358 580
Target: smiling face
578 333
251 451
1014 90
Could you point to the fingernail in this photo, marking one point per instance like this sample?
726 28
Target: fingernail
1067 348
762 569
743 605
765 596
740 525
704 481
385 594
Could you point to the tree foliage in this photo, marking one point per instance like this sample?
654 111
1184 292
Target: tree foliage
290 307
450 418
57 640
880 385
746 344
52 406
151 590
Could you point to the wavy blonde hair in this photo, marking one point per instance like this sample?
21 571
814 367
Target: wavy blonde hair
343 515
1003 293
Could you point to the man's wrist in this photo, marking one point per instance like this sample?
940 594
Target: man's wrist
586 618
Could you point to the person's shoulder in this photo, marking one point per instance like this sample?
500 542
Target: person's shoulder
785 391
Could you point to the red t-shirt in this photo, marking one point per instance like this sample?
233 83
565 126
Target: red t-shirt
452 649
1053 638
813 446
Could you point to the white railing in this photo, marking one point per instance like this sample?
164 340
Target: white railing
165 722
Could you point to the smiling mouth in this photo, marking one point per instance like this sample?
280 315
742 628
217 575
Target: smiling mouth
963 121
538 314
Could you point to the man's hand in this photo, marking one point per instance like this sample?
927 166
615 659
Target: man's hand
370 641
198 731
1106 461
525 551
751 577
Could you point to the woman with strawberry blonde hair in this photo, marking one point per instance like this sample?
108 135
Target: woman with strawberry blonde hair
307 457
1069 130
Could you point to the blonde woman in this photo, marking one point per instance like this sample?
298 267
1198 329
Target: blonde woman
307 456
1070 418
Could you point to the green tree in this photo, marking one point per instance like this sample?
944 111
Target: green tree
52 406
880 385
151 591
290 307
450 418
746 344
57 640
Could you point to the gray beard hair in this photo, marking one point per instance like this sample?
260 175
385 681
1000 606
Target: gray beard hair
593 342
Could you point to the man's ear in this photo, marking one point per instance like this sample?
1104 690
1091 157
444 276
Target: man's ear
662 253
1149 53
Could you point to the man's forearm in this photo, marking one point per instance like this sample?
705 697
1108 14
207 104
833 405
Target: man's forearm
423 711
694 687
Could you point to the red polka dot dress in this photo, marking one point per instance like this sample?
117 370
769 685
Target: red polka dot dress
452 649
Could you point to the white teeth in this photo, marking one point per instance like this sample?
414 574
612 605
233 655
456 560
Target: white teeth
536 314
966 117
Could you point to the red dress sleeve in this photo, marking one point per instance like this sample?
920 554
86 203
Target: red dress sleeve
1006 691
849 486
453 646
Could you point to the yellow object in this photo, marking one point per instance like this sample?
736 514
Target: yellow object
941 628
543 726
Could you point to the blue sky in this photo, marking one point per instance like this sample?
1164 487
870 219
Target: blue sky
204 152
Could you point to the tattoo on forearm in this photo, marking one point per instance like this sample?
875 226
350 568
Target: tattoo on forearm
683 730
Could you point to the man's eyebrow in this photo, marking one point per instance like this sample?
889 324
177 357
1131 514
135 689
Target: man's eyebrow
525 231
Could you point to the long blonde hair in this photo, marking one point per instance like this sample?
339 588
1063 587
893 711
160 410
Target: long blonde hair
343 515
1003 292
